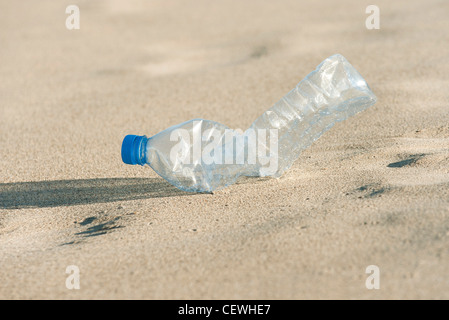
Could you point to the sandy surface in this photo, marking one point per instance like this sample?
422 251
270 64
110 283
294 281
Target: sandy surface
374 190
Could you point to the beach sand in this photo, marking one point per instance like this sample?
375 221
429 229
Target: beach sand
374 190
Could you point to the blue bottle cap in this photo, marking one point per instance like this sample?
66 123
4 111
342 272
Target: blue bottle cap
133 151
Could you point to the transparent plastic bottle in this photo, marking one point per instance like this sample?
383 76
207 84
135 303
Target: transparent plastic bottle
203 156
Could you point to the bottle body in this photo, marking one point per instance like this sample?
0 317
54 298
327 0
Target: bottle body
195 156
202 156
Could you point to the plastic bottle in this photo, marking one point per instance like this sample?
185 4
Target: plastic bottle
203 156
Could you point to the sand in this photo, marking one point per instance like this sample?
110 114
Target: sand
374 190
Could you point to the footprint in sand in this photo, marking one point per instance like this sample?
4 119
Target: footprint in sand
416 159
421 158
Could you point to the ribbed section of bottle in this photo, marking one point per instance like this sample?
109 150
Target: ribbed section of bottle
332 93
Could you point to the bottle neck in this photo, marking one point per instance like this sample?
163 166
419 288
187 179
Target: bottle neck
134 149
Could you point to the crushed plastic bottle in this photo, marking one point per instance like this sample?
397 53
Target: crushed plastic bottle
203 156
